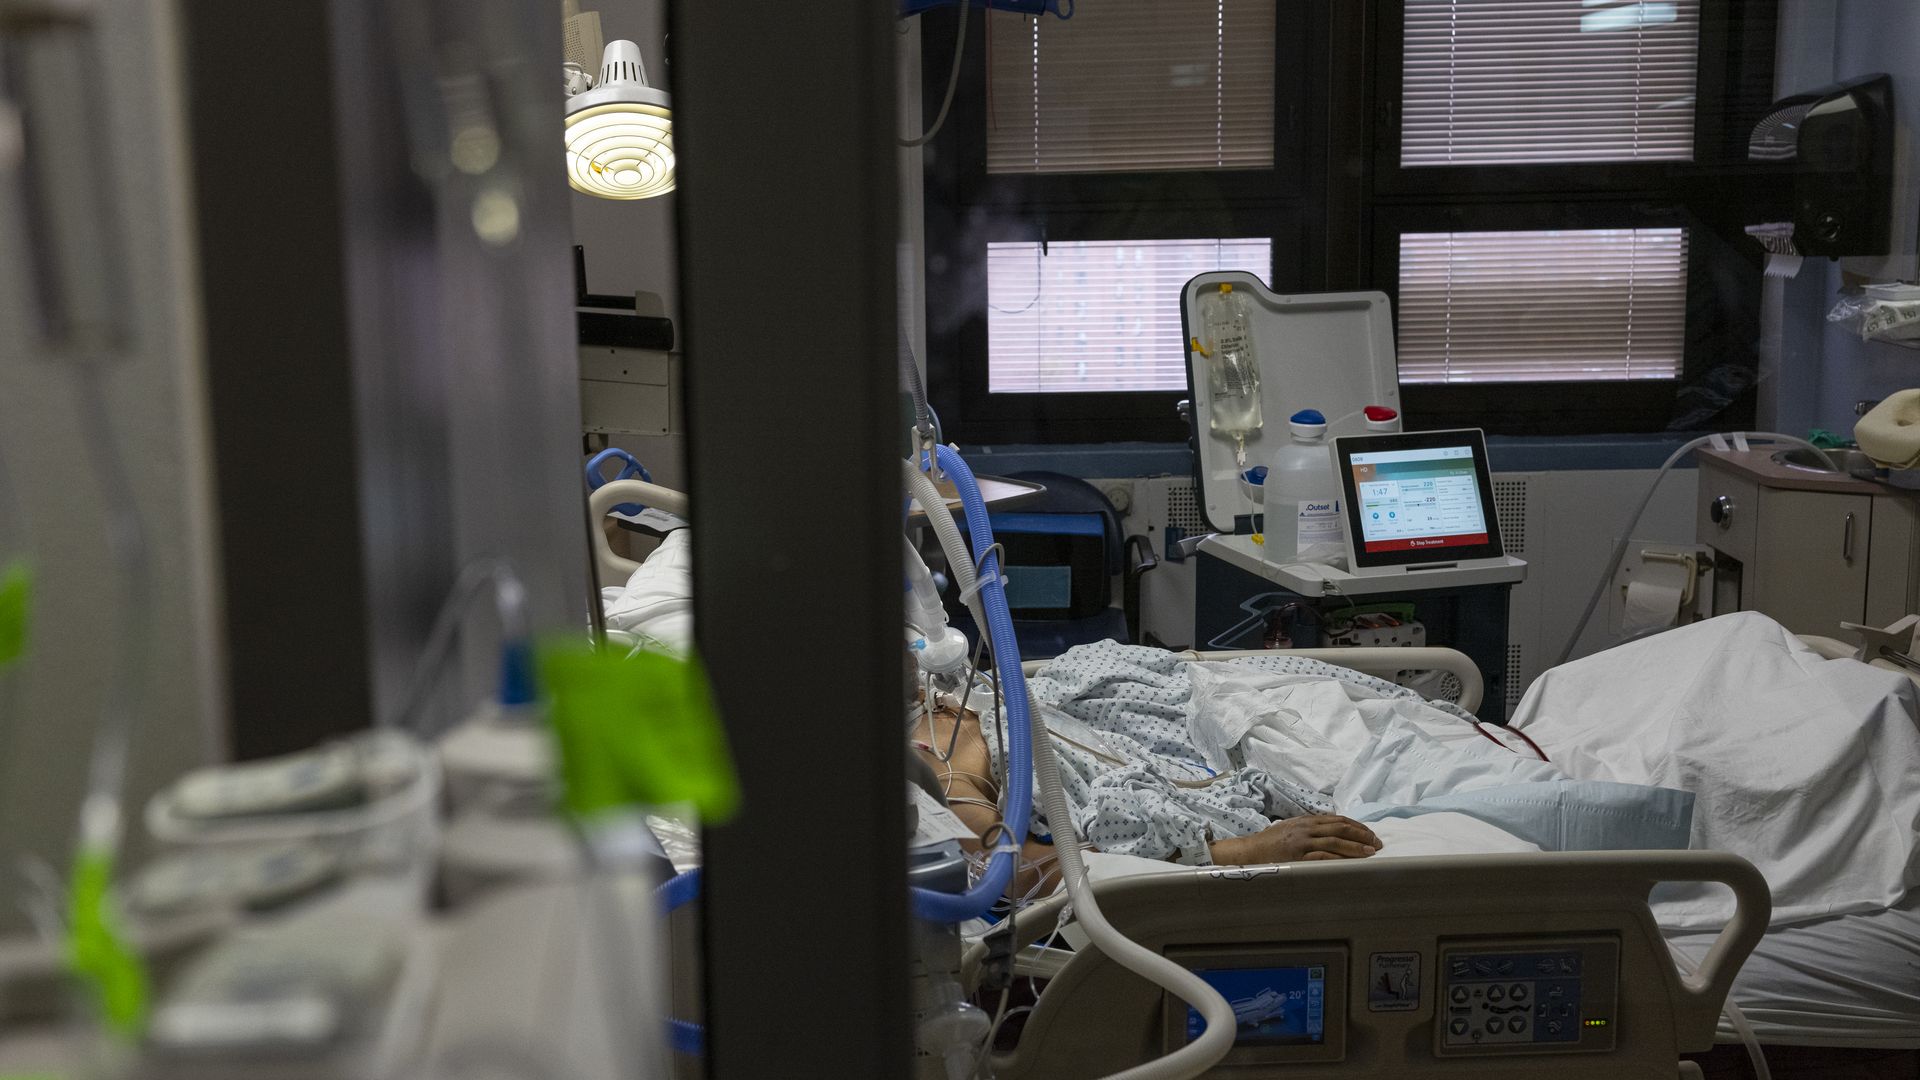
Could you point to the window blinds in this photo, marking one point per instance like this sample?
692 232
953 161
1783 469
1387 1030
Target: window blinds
1558 306
1532 81
1132 86
1098 315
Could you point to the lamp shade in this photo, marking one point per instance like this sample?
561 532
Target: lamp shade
620 133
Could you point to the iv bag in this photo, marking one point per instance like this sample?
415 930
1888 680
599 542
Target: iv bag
1233 368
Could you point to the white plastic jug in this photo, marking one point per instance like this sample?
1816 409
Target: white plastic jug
1302 497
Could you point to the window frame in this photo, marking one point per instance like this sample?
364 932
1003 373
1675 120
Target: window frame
967 207
1725 26
1333 209
1733 64
1539 408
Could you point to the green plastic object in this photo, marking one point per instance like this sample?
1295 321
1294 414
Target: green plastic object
16 594
636 730
99 953
1826 440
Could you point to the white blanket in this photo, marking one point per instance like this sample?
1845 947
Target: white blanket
1342 739
1139 730
1809 768
1380 755
655 606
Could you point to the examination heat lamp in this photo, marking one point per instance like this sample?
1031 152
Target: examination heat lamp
620 132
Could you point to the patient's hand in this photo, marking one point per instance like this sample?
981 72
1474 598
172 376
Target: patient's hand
1303 839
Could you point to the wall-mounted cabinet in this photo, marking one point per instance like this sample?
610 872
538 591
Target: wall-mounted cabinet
1809 549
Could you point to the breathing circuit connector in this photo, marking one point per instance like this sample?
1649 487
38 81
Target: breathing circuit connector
996 968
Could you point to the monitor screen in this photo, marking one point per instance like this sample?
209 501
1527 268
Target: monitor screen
1418 499
1276 1006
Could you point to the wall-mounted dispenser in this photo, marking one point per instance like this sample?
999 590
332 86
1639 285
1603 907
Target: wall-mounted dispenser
1838 144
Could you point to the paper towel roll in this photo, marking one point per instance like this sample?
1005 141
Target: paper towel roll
1653 598
1783 266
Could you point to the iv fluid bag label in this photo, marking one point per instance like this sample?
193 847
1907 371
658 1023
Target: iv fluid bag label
1319 521
1236 377
1230 339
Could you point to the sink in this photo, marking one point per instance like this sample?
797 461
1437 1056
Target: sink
1852 462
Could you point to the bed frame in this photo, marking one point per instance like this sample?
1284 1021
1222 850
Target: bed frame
612 569
1095 1018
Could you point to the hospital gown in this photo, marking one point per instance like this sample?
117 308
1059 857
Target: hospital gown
1136 780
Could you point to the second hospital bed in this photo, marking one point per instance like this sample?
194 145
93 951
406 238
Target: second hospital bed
1832 997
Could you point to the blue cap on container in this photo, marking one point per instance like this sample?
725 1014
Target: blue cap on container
1256 475
518 684
1308 416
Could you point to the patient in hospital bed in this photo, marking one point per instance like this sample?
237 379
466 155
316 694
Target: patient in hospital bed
1727 735
1275 759
956 749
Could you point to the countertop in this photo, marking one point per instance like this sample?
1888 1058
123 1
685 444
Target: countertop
1759 466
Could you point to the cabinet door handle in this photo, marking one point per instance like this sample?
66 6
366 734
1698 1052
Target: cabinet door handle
1846 541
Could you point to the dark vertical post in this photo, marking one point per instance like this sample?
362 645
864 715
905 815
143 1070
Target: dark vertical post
278 342
1349 143
783 116
391 396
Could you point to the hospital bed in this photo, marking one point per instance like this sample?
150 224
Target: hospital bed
1847 985
1502 965
610 567
1840 982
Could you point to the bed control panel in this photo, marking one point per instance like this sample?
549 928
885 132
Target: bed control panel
1553 995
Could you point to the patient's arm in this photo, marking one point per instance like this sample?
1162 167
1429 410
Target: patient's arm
1304 839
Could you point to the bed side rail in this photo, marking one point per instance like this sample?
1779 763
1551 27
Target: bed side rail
1384 663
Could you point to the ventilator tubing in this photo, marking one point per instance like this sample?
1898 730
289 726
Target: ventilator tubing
1213 1044
991 614
939 649
1028 745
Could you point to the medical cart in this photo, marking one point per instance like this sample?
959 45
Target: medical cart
1240 602
1333 352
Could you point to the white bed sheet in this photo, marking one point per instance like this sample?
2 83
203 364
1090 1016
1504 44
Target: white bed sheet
655 606
1850 980
1445 833
1803 765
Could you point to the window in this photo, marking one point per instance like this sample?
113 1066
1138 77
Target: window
1592 305
1556 208
1088 169
1517 81
1097 315
1130 86
1551 192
